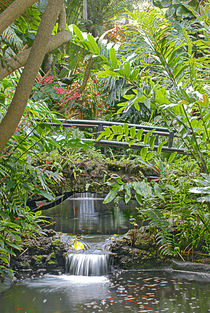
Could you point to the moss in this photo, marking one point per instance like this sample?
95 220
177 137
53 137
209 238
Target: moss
51 259
144 243
24 264
39 259
57 243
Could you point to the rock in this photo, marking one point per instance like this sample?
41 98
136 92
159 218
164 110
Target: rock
79 173
190 266
136 249
46 252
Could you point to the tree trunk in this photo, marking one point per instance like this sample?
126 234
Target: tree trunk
85 15
62 19
12 64
23 90
15 9
86 75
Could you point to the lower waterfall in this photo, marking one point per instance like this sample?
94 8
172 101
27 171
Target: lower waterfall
87 264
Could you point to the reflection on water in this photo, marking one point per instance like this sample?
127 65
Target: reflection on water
85 213
128 291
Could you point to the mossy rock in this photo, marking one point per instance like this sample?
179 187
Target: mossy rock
51 259
57 243
39 259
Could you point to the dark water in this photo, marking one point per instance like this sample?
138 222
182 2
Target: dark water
120 292
86 214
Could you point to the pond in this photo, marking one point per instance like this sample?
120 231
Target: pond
89 286
85 213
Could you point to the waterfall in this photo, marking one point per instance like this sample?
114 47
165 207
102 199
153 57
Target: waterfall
87 264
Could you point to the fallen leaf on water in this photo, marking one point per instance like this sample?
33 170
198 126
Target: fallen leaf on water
78 245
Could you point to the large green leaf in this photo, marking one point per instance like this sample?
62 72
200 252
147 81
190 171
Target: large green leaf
78 33
93 44
113 194
113 58
162 3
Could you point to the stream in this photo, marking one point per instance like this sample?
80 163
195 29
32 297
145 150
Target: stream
91 285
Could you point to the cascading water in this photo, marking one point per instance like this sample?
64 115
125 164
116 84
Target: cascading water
94 261
87 264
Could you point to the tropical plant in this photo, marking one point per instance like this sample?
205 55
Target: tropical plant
180 224
202 189
30 166
178 9
171 80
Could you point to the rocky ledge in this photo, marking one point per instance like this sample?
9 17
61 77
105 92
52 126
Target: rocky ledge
136 249
43 254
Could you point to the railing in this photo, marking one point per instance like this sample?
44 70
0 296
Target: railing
98 126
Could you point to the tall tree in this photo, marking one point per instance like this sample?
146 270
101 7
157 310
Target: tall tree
85 14
32 58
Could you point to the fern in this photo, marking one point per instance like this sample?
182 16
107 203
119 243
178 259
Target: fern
161 227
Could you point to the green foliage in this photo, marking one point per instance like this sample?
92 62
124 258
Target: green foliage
147 197
179 220
29 167
203 188
178 9
133 136
174 80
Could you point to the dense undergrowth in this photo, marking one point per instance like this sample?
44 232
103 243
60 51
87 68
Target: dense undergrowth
155 71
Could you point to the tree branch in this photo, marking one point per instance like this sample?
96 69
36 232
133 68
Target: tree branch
12 64
23 90
62 19
9 15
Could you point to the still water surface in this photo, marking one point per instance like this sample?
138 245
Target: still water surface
120 292
85 213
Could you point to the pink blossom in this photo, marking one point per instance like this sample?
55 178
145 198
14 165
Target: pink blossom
60 90
49 79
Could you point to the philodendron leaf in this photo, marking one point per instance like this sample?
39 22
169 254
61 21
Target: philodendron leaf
162 3
113 194
127 193
200 189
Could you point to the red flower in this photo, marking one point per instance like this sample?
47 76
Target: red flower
17 218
